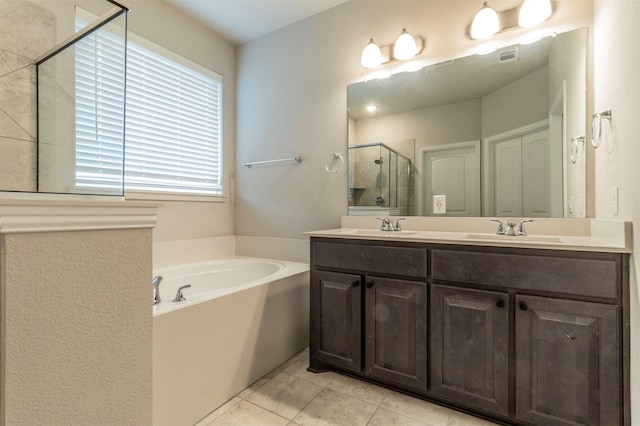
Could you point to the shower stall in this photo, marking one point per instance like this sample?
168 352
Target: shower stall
380 181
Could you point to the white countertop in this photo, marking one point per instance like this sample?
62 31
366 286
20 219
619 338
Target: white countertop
540 241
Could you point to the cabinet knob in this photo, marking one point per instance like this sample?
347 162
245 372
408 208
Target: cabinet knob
523 306
369 284
500 303
355 283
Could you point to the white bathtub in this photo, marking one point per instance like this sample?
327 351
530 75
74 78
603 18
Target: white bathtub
242 317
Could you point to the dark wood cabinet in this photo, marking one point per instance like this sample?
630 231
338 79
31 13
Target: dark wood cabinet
396 331
567 362
469 347
521 336
336 319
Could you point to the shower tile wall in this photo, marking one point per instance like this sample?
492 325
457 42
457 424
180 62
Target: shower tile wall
371 180
26 31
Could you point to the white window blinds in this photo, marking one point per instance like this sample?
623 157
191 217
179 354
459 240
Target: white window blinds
99 129
173 126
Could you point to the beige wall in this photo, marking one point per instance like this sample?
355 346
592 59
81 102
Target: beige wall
76 328
292 100
617 86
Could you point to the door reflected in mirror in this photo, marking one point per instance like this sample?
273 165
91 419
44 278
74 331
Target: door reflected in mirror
491 135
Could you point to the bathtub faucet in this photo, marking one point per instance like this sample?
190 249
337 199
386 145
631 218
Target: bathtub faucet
155 283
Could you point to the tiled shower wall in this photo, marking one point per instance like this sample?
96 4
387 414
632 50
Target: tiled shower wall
373 180
26 31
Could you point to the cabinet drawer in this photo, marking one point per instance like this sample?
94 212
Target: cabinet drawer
402 261
594 275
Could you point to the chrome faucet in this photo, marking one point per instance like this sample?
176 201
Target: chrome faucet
179 296
500 230
155 284
521 230
511 228
386 224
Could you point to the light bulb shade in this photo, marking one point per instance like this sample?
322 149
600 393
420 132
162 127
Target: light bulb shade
485 24
405 46
533 12
371 55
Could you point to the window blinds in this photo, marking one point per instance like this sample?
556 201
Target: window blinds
173 137
173 122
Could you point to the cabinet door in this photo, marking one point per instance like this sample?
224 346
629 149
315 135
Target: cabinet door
469 351
567 362
336 319
396 333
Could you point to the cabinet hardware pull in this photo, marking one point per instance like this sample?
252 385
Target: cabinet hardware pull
500 303
369 284
355 284
523 306
571 336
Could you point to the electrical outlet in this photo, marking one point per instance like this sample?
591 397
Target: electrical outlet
439 204
614 200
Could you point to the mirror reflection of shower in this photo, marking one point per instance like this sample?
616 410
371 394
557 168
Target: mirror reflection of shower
380 179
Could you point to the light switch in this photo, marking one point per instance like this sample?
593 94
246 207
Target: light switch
439 204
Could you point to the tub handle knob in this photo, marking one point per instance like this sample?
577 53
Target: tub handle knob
179 296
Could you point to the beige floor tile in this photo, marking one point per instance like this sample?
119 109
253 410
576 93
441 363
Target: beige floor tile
331 408
384 417
218 412
247 414
285 395
418 409
255 386
357 388
298 368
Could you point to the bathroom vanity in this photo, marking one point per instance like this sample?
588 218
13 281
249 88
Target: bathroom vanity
521 335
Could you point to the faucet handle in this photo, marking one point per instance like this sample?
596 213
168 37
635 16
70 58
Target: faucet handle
397 226
500 230
384 223
179 296
521 230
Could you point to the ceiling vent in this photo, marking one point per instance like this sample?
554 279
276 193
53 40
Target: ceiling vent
508 55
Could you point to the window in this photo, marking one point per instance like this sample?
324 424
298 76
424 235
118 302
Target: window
173 122
173 141
99 110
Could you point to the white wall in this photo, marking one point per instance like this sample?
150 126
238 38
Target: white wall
292 100
617 86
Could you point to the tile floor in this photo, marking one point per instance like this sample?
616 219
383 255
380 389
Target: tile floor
290 395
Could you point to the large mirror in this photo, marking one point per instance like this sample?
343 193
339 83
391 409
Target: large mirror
499 134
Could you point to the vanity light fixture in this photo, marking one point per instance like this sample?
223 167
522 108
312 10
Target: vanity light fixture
485 24
488 22
533 12
371 55
405 47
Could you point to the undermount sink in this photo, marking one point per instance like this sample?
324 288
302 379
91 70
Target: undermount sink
374 233
516 238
